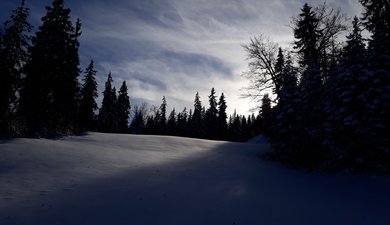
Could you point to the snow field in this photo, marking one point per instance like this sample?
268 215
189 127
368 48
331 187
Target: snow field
142 180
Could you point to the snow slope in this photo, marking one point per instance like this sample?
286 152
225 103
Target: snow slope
142 180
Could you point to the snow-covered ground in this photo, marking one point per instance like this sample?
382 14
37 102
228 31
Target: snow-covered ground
141 180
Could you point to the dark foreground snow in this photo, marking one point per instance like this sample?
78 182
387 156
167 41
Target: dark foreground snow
141 180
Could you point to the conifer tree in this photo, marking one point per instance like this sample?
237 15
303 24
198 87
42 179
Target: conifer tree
13 55
107 118
87 102
211 116
172 124
150 127
235 130
197 119
266 107
279 66
162 117
123 109
51 75
307 34
222 126
182 123
266 114
346 107
377 20
286 120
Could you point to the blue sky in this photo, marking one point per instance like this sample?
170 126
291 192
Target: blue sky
175 48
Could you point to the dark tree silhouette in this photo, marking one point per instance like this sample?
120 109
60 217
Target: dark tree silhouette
137 125
107 119
336 116
222 118
13 55
51 75
211 117
196 122
172 123
182 123
307 33
87 102
123 107
377 20
161 117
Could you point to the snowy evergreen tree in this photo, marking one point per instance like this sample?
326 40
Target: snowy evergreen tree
377 20
346 107
287 118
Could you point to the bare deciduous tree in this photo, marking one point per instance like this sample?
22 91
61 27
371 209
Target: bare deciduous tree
261 74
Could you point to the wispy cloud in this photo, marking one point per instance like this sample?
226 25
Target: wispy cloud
178 47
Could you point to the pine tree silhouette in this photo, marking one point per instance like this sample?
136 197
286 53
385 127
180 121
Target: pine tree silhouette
87 102
123 107
51 75
211 117
107 119
222 118
14 44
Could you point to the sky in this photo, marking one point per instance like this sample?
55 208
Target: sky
175 48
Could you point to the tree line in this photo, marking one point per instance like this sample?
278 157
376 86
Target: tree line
211 123
41 94
332 97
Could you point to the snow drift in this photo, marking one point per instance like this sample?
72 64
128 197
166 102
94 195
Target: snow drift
143 180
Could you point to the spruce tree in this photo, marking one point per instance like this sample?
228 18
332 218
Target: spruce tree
265 107
279 66
172 123
182 123
235 130
377 20
197 119
51 75
346 108
162 117
306 32
286 122
87 102
13 55
211 116
222 126
307 35
123 109
107 119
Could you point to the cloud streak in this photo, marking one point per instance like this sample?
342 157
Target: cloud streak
178 47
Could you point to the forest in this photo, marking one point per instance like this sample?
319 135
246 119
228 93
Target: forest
328 107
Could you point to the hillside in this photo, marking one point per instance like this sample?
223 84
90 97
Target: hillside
143 180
